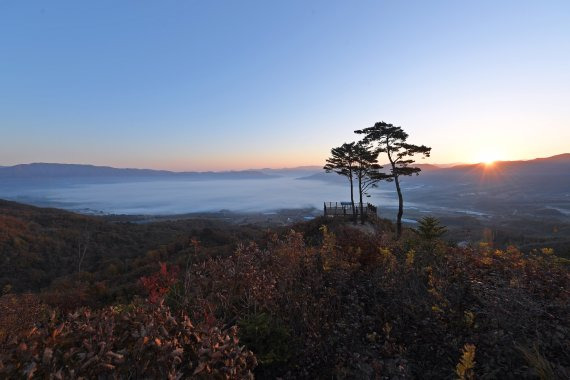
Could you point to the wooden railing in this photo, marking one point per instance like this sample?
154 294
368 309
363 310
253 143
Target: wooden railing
344 209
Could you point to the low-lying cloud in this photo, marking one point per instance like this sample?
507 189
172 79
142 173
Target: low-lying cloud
183 196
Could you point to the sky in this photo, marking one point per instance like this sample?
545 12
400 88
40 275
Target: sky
217 85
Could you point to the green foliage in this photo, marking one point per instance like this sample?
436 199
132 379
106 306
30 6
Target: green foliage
392 140
429 228
343 160
268 338
367 171
541 365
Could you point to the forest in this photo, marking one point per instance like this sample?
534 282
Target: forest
90 297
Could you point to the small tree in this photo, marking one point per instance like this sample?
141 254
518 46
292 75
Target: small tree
367 171
343 162
429 228
392 141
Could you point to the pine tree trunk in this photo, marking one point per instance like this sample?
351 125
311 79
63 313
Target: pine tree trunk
360 192
352 198
400 208
400 198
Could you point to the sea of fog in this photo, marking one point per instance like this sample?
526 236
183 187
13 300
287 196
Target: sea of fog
178 196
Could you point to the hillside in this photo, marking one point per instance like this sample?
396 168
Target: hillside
39 247
318 299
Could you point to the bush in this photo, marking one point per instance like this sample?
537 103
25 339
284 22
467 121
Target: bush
268 338
346 305
140 341
360 306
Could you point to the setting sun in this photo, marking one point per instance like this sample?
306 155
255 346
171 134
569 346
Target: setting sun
488 157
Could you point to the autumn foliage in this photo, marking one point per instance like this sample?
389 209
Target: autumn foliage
363 306
144 341
158 284
317 302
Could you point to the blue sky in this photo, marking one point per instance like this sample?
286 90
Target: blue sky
196 85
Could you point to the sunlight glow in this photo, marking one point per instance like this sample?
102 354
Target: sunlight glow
488 157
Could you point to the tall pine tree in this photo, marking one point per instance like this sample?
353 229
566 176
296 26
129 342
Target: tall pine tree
392 140
343 162
367 171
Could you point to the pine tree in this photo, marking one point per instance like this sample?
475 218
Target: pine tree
430 229
392 141
343 162
367 171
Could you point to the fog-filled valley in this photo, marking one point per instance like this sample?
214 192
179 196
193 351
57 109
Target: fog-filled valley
536 188
151 196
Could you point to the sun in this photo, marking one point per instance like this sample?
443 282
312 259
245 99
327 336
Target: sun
488 158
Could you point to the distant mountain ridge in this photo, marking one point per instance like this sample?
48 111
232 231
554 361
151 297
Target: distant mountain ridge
558 165
543 165
563 158
539 167
54 170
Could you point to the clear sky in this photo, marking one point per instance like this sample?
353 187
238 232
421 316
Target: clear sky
200 85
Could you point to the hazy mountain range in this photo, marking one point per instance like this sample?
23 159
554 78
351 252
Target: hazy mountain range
50 170
534 186
555 165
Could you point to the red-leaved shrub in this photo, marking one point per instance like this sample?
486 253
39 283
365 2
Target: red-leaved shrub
144 341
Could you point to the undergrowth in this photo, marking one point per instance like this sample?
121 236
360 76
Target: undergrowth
344 305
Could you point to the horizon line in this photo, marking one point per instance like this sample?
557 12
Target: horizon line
442 165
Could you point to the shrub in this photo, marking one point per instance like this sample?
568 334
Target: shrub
141 341
352 305
158 284
267 337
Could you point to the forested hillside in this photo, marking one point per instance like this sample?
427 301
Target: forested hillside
42 248
322 299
